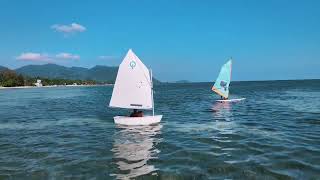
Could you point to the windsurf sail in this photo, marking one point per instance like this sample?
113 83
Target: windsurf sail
221 86
133 85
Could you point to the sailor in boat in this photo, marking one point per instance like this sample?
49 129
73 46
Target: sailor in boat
136 113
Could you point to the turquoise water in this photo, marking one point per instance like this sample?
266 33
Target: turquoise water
55 133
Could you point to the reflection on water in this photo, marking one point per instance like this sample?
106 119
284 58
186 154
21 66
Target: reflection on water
222 112
133 147
218 106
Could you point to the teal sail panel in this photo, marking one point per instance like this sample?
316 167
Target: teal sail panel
221 86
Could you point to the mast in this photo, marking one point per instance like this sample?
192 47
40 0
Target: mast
152 92
230 68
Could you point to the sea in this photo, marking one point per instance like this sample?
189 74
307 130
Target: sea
69 133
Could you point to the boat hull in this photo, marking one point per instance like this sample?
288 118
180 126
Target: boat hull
137 121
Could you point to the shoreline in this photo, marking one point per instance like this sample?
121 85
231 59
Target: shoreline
29 87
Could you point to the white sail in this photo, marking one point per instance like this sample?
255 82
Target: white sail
221 85
133 86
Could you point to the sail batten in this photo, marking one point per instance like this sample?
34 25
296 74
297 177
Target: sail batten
132 88
221 85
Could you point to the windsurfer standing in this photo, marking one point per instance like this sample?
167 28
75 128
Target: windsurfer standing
223 98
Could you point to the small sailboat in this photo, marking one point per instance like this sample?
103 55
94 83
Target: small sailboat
133 89
221 86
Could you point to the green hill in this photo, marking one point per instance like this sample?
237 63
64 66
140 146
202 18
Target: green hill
50 71
102 73
182 81
98 73
2 68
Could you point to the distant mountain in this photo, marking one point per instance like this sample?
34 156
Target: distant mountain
53 71
2 68
182 81
101 73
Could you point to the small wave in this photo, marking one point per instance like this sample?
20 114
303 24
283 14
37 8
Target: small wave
51 123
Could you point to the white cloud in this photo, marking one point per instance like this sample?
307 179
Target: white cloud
42 57
67 56
69 29
30 56
107 57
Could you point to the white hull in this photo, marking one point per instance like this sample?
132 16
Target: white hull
231 100
137 121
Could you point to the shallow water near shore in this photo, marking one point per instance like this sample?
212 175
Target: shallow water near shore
68 132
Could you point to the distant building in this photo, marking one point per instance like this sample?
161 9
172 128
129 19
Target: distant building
38 83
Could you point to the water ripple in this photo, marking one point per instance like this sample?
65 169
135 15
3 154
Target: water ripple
68 133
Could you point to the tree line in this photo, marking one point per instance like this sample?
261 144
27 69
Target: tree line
9 78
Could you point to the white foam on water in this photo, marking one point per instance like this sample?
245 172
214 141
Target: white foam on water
51 123
300 101
263 133
224 127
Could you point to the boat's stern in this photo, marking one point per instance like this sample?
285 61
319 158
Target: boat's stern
137 121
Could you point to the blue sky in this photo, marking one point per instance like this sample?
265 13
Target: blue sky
182 39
